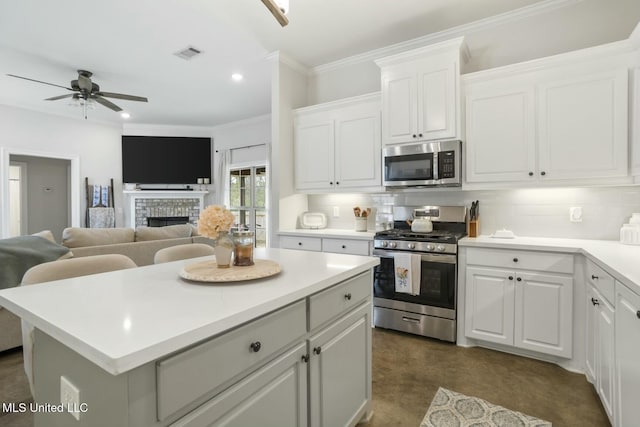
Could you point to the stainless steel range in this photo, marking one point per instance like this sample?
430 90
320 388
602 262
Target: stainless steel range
430 308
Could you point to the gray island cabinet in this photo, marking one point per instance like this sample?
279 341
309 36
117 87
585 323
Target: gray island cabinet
290 350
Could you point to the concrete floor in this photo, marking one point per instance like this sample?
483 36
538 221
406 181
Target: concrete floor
407 371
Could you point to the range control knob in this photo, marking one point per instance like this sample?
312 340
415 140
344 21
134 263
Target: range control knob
385 244
393 245
430 247
440 248
412 245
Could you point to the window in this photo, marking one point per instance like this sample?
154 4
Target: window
247 199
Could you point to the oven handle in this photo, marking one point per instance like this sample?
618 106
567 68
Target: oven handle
442 258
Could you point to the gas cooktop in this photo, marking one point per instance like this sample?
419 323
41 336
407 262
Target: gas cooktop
438 236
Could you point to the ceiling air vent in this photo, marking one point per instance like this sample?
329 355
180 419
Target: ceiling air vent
188 53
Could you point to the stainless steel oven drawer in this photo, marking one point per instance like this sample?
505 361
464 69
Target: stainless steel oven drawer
414 323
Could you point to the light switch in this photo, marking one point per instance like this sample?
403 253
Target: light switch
575 214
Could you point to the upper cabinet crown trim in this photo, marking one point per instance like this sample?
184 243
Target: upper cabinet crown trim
454 45
605 52
326 106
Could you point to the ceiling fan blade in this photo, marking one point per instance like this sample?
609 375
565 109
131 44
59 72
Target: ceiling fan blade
276 12
55 98
122 96
38 81
108 104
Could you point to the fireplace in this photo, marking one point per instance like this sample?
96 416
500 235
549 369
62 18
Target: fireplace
161 221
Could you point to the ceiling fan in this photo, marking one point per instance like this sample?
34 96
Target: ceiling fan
86 91
278 9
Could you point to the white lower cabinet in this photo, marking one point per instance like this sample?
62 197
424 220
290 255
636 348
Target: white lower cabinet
627 350
600 361
327 244
274 396
340 371
519 308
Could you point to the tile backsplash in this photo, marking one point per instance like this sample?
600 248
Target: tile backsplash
541 212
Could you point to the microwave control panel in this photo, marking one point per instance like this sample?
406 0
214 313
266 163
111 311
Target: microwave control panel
446 164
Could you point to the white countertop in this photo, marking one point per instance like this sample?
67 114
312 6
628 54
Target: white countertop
621 261
123 319
330 233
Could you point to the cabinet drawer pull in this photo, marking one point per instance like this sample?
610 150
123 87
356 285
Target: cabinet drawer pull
543 173
317 350
594 277
330 182
414 135
510 277
595 301
305 358
638 314
255 346
530 173
299 243
420 135
344 246
347 296
410 320
515 260
519 279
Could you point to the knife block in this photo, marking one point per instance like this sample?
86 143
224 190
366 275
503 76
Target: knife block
474 228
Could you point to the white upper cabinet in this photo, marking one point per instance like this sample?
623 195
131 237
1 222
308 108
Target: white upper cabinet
337 145
500 132
420 93
582 126
553 120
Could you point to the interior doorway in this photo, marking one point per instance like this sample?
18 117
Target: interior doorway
51 200
18 208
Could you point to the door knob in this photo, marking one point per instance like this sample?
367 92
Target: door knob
519 279
510 277
595 301
255 346
347 296
317 350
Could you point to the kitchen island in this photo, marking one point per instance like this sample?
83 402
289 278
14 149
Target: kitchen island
144 347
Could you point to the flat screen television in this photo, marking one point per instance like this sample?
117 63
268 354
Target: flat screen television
165 159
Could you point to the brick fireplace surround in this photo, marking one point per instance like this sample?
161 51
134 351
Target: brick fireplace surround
161 203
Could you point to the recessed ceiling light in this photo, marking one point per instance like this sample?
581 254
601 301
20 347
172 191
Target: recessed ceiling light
125 115
237 77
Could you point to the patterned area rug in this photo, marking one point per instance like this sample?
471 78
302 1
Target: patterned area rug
451 409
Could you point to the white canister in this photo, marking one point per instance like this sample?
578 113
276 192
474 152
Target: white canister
630 234
635 218
361 223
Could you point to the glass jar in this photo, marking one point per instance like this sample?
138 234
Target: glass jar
243 248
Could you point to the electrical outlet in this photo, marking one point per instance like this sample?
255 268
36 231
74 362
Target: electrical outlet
575 214
336 211
70 397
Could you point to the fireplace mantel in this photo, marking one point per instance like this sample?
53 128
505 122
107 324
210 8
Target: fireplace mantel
135 195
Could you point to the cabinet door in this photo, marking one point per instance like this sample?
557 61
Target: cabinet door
489 305
275 396
627 331
399 104
357 148
340 371
591 333
605 371
544 313
500 138
583 127
437 101
314 155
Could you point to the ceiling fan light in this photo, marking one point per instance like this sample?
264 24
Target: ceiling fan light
283 5
236 77
125 115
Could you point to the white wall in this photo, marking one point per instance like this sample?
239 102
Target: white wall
580 25
96 144
542 212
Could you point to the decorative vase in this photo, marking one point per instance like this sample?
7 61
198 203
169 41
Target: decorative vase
223 249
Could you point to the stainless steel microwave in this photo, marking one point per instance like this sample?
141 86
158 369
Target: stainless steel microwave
427 164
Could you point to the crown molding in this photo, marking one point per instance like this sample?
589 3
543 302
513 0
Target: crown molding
345 102
461 30
606 51
242 122
445 47
283 58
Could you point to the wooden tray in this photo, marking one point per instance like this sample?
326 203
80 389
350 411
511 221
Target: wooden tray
208 271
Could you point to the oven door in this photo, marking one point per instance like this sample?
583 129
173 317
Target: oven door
438 278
